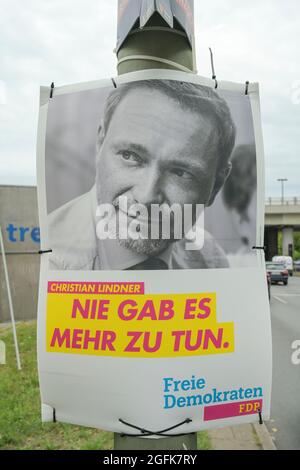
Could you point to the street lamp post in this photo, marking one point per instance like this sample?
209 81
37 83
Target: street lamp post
282 181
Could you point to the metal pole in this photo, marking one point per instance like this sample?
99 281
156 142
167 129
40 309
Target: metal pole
156 47
282 181
10 301
187 442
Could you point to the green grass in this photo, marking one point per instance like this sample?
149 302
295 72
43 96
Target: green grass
20 422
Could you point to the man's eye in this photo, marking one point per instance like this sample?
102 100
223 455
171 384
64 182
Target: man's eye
130 156
182 173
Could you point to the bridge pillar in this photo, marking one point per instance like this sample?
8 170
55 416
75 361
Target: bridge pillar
288 241
271 242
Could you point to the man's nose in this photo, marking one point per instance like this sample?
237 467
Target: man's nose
149 189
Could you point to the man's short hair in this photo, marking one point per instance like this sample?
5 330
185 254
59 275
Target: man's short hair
195 98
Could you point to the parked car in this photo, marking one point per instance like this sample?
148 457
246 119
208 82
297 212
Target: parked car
278 272
287 261
297 265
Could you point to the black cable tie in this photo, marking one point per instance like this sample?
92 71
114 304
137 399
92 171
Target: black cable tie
214 76
146 432
260 417
259 248
247 88
41 252
51 91
114 83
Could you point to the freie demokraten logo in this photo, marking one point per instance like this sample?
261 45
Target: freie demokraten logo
216 403
127 220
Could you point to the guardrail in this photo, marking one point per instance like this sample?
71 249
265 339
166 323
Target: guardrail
277 201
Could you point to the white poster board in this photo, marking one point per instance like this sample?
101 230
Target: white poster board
119 337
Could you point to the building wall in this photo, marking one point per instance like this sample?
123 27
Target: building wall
19 223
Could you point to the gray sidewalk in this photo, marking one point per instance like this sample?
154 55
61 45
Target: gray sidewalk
242 437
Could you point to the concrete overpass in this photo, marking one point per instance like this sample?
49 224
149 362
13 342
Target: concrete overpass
281 215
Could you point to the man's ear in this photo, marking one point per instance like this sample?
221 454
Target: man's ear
221 178
100 136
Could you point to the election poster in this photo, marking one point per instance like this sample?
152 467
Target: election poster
153 303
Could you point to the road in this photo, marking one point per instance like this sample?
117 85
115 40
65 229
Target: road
285 409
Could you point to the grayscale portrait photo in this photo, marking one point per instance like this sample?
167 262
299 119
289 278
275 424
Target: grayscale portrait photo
161 143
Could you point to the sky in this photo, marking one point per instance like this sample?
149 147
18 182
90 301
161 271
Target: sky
70 41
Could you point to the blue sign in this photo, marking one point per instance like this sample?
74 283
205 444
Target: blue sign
17 234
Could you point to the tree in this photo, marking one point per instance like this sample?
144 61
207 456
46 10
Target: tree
296 246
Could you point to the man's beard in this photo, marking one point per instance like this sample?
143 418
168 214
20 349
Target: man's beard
141 246
144 247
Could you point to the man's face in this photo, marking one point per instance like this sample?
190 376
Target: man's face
155 152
